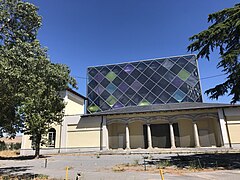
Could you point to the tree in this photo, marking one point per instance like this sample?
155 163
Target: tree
19 23
30 85
223 36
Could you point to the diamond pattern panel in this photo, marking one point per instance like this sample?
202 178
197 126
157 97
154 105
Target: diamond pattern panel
158 81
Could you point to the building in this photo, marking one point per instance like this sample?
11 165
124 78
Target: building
147 104
147 82
60 136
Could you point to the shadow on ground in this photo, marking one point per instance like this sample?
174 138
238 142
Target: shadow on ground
21 157
18 173
10 170
223 161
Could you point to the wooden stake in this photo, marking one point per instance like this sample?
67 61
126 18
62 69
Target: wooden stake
67 173
161 174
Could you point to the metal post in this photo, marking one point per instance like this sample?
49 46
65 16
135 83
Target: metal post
45 163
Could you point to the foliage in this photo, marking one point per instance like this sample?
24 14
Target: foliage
19 23
30 85
223 36
3 146
9 146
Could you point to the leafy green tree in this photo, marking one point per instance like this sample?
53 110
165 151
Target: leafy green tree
30 85
19 23
223 36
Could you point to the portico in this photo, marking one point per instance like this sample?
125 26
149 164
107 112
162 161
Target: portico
201 128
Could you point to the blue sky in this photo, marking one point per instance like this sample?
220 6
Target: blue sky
82 33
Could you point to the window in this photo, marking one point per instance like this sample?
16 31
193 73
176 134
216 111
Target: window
51 137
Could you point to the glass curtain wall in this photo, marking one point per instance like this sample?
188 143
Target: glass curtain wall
157 81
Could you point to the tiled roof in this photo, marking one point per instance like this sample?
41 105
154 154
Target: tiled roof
162 108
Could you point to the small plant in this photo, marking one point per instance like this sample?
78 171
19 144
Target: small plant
41 176
136 162
3 146
150 157
163 164
118 169
194 165
5 177
98 156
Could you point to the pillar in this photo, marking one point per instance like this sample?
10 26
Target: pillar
196 136
149 136
172 138
127 137
105 137
63 136
223 127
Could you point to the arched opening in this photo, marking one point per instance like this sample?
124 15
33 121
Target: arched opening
51 137
117 135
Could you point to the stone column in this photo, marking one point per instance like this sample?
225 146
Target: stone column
105 138
63 136
196 136
127 137
149 136
223 127
172 138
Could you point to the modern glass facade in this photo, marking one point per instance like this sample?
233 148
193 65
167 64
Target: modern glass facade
157 81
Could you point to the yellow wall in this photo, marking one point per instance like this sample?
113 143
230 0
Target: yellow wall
114 131
234 128
206 132
136 135
185 127
84 134
74 105
82 137
28 142
217 132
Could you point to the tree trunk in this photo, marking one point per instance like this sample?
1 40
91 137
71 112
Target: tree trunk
37 146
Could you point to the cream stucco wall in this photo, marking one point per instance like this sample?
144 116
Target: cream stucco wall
79 137
206 132
232 116
136 135
84 134
234 130
117 136
74 105
185 127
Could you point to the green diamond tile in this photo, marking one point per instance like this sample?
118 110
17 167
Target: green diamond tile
111 76
111 100
93 108
144 103
183 74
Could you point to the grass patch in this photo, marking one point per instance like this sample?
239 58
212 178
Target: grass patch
118 168
24 177
163 163
9 153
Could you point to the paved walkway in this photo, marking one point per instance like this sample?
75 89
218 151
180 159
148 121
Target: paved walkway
95 167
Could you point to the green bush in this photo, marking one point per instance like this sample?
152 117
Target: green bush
10 146
3 146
